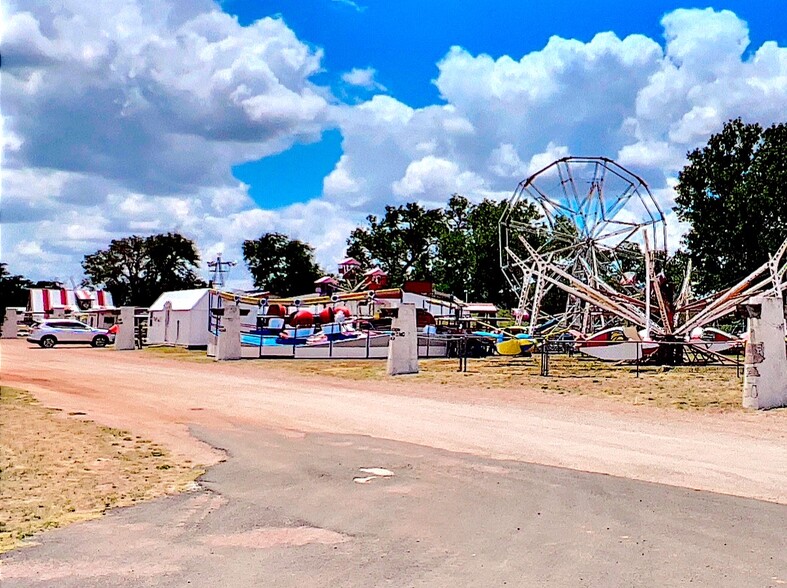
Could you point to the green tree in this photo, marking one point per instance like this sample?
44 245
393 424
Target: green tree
137 270
13 290
403 242
455 263
468 261
281 265
173 260
457 247
733 194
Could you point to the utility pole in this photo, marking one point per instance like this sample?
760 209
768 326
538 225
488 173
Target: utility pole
220 269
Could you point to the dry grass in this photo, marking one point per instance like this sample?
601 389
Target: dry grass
503 378
174 352
56 468
699 388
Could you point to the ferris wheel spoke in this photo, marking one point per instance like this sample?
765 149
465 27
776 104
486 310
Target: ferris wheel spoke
567 179
627 229
592 209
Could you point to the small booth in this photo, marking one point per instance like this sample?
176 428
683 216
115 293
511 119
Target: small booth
180 318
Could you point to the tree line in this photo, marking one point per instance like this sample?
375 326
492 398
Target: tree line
732 193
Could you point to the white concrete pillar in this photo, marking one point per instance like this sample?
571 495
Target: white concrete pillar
765 365
228 341
124 339
403 348
212 342
10 324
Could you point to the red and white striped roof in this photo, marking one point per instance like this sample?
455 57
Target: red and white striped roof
45 300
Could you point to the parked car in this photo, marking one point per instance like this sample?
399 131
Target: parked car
50 332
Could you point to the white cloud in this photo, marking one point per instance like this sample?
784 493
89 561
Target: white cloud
29 248
340 182
160 96
432 177
540 160
363 78
126 116
632 99
650 154
354 5
505 162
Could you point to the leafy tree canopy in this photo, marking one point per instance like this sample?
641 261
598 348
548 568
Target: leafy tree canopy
468 264
137 270
403 242
457 247
14 289
733 194
281 265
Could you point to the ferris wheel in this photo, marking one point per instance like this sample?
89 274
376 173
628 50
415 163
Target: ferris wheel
594 215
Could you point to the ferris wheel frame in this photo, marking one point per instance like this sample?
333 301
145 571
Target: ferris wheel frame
596 222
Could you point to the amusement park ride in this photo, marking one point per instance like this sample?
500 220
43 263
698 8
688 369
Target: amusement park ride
600 225
597 253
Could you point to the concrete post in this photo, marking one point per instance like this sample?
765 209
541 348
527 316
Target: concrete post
765 368
10 324
403 348
124 339
228 341
212 342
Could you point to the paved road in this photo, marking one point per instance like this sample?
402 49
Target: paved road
284 508
285 511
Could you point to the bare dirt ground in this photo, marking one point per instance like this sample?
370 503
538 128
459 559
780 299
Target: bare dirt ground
299 498
56 468
732 452
502 379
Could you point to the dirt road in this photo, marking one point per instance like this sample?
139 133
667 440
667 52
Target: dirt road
743 454
460 499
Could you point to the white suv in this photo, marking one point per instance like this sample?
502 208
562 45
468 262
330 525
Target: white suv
53 331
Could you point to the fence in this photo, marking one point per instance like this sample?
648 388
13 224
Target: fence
671 353
373 345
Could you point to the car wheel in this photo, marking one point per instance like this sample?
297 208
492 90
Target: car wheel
99 341
47 342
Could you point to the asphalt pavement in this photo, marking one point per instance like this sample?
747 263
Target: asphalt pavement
297 510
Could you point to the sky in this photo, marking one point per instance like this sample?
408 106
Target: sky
226 120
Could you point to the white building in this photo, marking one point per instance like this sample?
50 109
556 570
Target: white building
180 318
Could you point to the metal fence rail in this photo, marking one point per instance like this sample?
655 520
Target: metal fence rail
672 353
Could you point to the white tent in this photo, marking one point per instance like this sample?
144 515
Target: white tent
94 307
180 318
45 301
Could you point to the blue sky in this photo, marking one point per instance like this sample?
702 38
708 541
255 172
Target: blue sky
224 120
404 39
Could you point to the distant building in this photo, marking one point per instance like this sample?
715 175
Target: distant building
483 310
94 307
180 318
326 285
